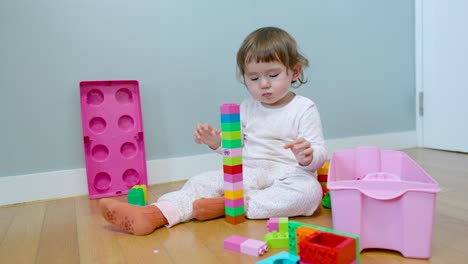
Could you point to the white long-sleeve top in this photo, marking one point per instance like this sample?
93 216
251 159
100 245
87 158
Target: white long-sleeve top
266 131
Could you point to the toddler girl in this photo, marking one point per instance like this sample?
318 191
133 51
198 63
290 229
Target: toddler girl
283 146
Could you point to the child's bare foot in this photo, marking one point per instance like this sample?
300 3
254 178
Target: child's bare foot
208 208
138 220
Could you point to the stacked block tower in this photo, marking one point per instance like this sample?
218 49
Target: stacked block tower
232 163
322 176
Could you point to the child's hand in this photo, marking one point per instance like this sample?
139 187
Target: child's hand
206 134
302 150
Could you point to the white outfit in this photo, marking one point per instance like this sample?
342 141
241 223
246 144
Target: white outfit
275 185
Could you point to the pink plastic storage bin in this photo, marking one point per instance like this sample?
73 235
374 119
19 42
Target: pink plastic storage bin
113 140
385 198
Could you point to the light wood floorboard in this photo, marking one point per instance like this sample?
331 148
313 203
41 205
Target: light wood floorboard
72 231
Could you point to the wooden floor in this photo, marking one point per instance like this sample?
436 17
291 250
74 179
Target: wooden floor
72 231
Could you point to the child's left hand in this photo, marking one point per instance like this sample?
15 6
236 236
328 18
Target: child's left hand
302 150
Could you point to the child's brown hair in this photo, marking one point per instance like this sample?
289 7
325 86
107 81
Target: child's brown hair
270 44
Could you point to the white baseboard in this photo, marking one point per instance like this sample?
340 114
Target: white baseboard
66 183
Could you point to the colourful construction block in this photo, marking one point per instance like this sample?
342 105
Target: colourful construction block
231 135
283 225
233 242
280 258
230 108
326 202
302 233
236 211
233 186
230 126
232 169
234 161
276 240
234 195
293 226
322 178
230 118
245 245
272 224
138 195
254 247
234 203
232 152
324 247
324 169
230 177
236 143
235 219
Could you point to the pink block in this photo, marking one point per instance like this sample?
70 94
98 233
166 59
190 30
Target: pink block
233 177
273 224
232 152
254 247
372 188
230 109
233 186
114 147
233 203
234 242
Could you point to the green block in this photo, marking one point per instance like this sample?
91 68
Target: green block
326 202
283 224
276 240
232 143
231 135
234 211
232 161
293 225
230 126
136 196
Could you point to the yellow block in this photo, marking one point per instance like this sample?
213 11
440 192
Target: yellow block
233 195
324 169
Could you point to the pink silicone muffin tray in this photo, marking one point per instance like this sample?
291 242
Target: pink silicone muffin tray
113 139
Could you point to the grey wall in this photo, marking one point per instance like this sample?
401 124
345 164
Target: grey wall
183 53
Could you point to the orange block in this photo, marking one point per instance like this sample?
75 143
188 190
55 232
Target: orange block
302 233
235 219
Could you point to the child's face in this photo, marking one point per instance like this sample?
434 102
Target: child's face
269 82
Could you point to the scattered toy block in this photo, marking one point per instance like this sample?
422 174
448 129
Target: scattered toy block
138 195
283 224
272 224
276 240
323 247
245 245
293 226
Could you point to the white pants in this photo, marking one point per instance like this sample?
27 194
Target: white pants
270 190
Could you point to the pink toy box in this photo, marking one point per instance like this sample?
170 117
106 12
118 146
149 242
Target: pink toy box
385 198
113 137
